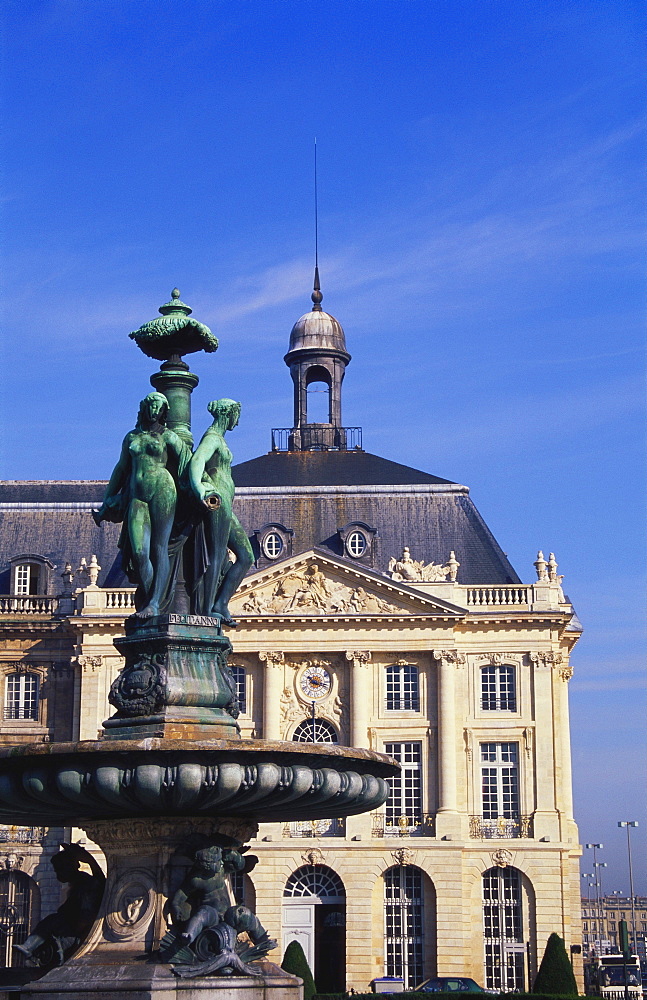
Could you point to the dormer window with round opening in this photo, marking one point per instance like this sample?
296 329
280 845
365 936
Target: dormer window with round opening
271 542
272 545
356 544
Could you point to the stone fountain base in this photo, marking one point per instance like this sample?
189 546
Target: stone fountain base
145 864
79 980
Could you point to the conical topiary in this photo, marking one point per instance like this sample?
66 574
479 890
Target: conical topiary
555 976
296 963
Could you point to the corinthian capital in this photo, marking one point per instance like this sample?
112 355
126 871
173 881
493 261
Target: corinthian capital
273 657
449 656
360 657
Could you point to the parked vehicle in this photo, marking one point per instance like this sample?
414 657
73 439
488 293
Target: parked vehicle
450 984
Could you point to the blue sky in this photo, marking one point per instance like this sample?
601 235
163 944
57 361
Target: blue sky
481 241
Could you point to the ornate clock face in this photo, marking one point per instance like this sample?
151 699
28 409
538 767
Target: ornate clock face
315 682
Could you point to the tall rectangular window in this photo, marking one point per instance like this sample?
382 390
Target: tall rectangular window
402 687
498 689
500 780
238 674
21 696
405 797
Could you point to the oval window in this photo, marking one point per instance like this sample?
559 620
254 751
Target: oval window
356 544
272 545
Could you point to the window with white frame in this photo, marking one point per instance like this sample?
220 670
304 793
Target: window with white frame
498 691
356 544
27 579
239 679
405 796
272 545
402 690
500 780
21 696
403 924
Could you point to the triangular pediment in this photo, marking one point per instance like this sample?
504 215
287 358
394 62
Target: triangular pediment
313 584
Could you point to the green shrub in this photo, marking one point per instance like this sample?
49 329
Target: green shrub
296 963
555 976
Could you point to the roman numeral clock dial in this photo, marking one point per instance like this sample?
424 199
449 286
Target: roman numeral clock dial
315 682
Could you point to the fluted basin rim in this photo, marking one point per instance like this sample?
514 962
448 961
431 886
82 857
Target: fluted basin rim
55 783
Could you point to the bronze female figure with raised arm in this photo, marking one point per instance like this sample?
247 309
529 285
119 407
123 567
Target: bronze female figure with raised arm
211 482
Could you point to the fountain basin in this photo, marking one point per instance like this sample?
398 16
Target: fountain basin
66 783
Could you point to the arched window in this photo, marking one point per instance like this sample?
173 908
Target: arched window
19 911
503 930
318 382
315 731
402 688
403 924
316 881
498 692
21 696
238 676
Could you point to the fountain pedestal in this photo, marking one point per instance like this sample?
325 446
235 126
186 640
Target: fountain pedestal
146 864
175 682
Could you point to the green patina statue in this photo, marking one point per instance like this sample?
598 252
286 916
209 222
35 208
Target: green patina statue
212 484
142 492
171 499
58 934
203 938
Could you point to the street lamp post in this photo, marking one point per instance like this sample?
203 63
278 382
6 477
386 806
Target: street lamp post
595 848
628 823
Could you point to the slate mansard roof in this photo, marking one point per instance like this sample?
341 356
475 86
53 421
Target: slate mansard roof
313 494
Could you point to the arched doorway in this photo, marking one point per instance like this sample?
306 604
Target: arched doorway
314 914
404 924
503 926
19 911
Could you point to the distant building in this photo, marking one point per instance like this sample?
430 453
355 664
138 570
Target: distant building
380 612
600 924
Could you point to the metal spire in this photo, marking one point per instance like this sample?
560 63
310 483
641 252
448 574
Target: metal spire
316 294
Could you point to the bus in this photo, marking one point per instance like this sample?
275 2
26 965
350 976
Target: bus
605 977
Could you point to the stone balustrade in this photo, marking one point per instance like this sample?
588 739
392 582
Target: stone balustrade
27 604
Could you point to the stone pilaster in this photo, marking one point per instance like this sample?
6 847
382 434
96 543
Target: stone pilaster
448 821
360 689
272 689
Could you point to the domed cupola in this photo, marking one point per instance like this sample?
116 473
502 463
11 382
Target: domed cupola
317 331
317 357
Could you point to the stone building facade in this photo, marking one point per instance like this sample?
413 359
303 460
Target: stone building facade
382 613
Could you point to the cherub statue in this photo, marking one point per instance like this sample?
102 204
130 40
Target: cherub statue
59 934
205 924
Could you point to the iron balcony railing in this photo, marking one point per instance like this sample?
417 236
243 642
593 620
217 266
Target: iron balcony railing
21 834
402 826
502 828
317 437
315 828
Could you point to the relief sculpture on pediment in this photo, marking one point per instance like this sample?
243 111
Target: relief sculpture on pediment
309 591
